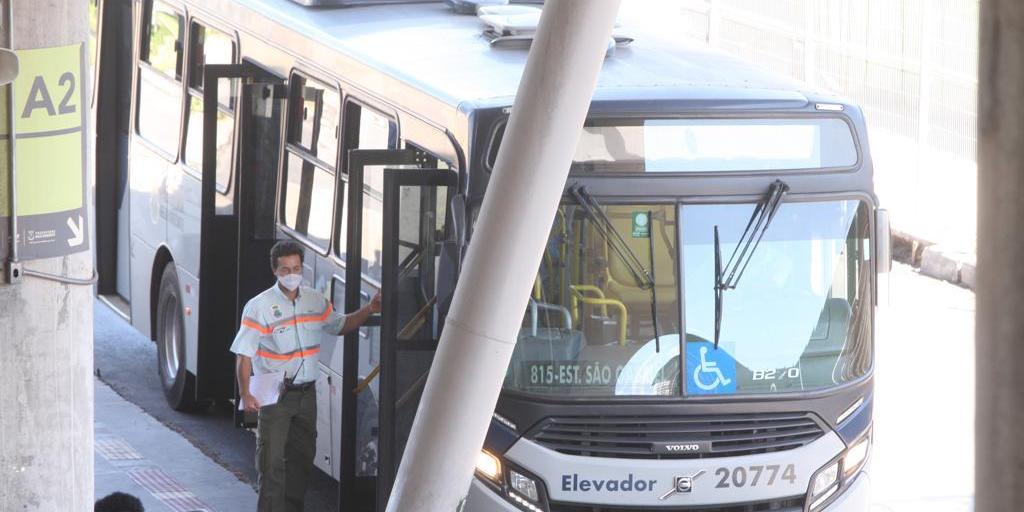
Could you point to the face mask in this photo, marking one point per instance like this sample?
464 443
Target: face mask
290 282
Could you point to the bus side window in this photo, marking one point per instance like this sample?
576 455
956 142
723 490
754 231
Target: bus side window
210 46
366 128
307 195
160 67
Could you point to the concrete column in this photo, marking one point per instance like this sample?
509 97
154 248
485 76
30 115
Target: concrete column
46 394
999 438
482 325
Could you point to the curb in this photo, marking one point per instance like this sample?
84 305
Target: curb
934 260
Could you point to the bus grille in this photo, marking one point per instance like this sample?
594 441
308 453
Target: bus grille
646 437
784 505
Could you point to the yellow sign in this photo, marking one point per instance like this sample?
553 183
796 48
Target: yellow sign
50 151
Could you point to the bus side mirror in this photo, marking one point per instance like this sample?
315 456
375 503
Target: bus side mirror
883 241
8 66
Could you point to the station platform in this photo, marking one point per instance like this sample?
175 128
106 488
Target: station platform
138 455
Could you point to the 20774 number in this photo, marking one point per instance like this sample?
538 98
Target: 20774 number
753 476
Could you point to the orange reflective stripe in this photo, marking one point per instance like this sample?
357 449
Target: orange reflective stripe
303 319
287 357
316 318
256 327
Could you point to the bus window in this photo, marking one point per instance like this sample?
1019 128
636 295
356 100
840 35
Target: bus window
307 199
159 95
210 46
369 129
315 119
307 195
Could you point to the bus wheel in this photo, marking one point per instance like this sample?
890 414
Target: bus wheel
178 384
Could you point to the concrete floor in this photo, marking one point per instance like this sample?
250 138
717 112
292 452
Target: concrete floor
923 458
126 361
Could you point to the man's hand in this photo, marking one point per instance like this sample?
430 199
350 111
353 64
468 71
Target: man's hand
250 403
374 305
359 317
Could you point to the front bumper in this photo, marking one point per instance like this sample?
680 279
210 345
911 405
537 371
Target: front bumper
483 499
856 499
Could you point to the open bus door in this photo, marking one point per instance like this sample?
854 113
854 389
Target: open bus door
415 233
234 231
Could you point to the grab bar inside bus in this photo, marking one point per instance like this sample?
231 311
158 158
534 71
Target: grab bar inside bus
417 320
536 306
365 383
578 292
578 297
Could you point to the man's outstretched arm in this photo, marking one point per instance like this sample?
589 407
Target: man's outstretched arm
355 320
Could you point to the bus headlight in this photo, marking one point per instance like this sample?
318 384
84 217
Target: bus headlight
513 483
855 457
488 466
523 485
836 476
824 484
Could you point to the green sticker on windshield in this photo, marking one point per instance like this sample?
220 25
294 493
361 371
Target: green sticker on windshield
641 225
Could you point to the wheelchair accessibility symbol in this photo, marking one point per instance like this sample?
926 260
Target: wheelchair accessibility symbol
711 371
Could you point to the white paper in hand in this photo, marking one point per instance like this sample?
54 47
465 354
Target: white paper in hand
266 388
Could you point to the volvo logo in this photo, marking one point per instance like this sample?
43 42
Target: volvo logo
681 485
681 447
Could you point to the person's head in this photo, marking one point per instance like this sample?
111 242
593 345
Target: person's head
286 261
119 502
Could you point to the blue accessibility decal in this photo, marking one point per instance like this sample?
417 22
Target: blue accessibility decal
709 371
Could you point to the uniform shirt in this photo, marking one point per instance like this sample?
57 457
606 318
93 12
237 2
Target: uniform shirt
281 334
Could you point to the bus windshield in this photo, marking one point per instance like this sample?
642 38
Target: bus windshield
800 322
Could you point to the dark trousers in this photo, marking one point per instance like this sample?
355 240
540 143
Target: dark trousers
285 446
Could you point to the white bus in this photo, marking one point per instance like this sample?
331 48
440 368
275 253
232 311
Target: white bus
700 333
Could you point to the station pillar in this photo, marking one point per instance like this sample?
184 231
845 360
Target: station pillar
46 385
999 442
526 185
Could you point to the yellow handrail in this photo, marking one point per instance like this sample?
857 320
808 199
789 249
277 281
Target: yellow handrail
577 294
366 381
600 300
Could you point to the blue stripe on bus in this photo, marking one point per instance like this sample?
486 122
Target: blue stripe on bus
499 438
858 423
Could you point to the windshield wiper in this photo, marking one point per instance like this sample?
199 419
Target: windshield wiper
654 282
605 228
728 277
644 277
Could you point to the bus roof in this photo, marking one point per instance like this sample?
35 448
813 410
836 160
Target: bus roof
432 48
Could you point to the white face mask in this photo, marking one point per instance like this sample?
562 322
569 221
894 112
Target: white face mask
290 282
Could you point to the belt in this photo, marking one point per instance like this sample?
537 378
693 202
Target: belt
305 386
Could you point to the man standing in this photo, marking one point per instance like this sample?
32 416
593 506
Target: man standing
282 329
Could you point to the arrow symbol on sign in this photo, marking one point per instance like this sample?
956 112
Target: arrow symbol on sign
77 232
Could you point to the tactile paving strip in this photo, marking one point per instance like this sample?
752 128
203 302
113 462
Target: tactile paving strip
114 448
168 490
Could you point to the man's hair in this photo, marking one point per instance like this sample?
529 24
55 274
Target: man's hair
285 248
119 502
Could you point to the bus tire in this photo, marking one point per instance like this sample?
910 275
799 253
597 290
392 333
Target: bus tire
178 384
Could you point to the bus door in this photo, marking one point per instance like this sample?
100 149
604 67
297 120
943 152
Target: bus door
369 459
112 109
414 233
233 231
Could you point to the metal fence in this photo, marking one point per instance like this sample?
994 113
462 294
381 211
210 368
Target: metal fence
910 64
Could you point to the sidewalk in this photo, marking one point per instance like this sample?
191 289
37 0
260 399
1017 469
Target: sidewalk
138 455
